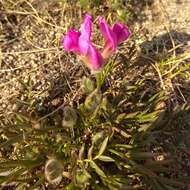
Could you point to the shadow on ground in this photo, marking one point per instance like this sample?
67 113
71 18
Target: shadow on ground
153 64
163 46
173 123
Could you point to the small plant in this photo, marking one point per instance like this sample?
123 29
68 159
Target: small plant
113 137
93 145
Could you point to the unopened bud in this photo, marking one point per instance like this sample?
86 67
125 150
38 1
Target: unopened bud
93 100
69 117
87 85
53 171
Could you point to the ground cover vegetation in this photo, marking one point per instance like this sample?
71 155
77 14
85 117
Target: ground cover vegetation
62 126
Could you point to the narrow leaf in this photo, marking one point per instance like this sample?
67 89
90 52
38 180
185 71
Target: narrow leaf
97 169
102 148
106 158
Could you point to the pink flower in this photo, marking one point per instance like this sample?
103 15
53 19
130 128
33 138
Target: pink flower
80 43
113 36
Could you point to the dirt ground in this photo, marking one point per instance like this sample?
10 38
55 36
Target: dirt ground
30 50
167 15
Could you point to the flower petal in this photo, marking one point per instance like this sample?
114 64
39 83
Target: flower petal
108 34
70 41
86 27
121 31
86 30
93 59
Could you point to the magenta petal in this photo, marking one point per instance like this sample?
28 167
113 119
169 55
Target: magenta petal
94 57
121 31
70 41
108 34
86 27
86 30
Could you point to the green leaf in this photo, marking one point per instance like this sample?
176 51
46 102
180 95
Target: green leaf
40 180
21 163
121 117
17 172
127 146
106 158
140 155
90 151
97 169
120 154
102 148
100 77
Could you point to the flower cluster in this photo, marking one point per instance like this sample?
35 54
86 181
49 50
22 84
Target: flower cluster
81 44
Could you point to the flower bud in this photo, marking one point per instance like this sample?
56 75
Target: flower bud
69 117
53 171
87 85
93 100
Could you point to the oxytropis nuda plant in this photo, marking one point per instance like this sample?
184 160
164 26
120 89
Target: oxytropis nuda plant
81 43
106 140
